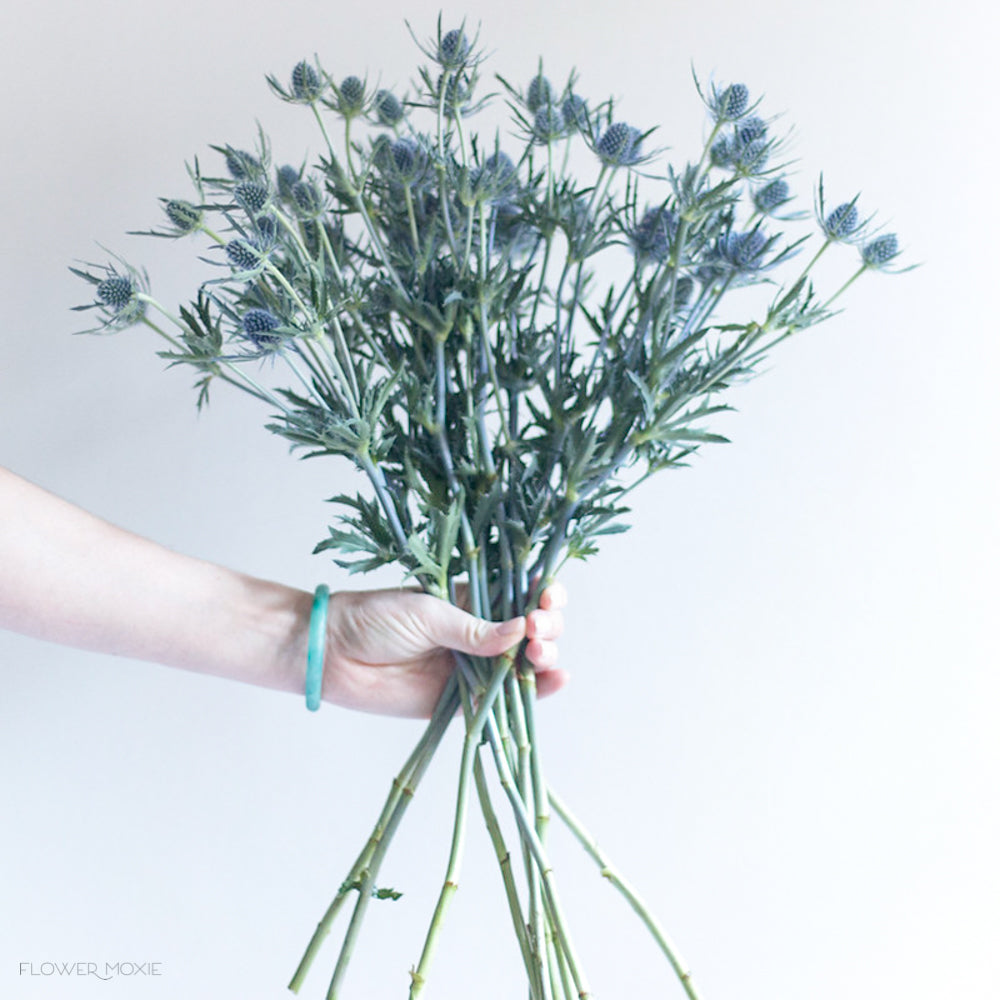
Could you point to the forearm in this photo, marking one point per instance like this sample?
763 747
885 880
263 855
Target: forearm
71 578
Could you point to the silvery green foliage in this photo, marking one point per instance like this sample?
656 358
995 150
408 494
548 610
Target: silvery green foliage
450 285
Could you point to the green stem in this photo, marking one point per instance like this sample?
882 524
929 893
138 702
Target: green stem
611 873
377 478
357 198
473 735
552 904
537 989
441 172
847 284
413 222
530 790
403 787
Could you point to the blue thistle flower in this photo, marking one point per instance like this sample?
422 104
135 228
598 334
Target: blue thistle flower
405 160
746 151
548 124
539 93
242 165
574 112
117 295
496 180
654 235
116 292
388 110
879 251
257 325
750 158
721 154
751 129
185 216
243 254
771 196
308 200
453 49
404 154
252 196
288 177
306 83
351 96
731 103
743 252
267 229
842 221
619 145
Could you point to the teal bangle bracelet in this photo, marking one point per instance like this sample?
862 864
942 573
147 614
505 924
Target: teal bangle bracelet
317 647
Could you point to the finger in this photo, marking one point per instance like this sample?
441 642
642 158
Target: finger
549 681
543 653
553 597
454 628
544 625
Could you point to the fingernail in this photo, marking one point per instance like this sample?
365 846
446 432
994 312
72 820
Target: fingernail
513 627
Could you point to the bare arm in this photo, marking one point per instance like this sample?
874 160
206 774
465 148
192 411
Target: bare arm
72 578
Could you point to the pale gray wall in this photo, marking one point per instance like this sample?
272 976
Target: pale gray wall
782 719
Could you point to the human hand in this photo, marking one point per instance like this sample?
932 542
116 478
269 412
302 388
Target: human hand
389 651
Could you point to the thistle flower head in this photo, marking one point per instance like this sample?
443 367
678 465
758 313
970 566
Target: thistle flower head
307 85
743 252
574 112
116 292
750 130
751 158
539 94
880 251
548 124
351 96
842 221
308 199
405 160
256 326
746 150
721 153
185 217
730 103
619 145
388 109
242 165
288 176
266 227
495 182
771 196
453 49
118 295
252 196
653 236
244 254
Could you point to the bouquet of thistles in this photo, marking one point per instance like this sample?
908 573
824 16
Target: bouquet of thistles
505 348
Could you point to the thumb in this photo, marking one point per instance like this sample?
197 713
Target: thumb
454 628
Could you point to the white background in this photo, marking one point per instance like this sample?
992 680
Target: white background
782 722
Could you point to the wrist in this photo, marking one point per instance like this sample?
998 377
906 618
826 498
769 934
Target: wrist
275 634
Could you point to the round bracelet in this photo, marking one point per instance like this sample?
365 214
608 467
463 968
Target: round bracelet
317 647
